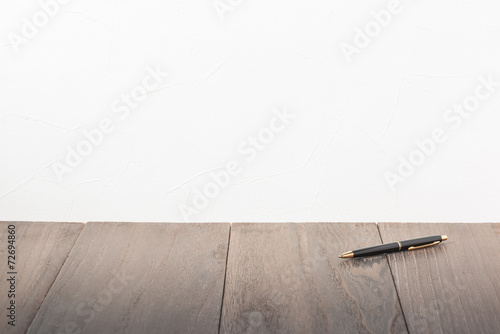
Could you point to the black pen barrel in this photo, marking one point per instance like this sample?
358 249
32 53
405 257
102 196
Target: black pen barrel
397 246
375 250
420 242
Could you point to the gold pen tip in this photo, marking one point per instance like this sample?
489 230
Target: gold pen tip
349 254
444 237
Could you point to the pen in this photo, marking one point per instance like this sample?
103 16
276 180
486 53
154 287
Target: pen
396 246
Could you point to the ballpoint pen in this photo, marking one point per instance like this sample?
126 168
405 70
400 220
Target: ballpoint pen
397 246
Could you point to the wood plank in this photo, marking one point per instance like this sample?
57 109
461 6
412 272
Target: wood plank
139 278
41 249
453 287
287 278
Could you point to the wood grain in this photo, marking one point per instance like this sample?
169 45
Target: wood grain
453 287
139 278
287 278
41 249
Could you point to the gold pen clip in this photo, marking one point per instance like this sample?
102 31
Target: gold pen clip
423 246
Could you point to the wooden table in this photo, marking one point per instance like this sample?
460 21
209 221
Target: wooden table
249 278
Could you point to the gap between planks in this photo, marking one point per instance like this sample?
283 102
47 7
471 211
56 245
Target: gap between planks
393 281
225 275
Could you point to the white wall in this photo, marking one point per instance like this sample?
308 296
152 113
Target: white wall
229 74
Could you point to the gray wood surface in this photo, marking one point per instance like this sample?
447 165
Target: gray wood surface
281 278
287 278
139 278
41 249
453 287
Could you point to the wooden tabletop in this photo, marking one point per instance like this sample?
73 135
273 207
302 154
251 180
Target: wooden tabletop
248 278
